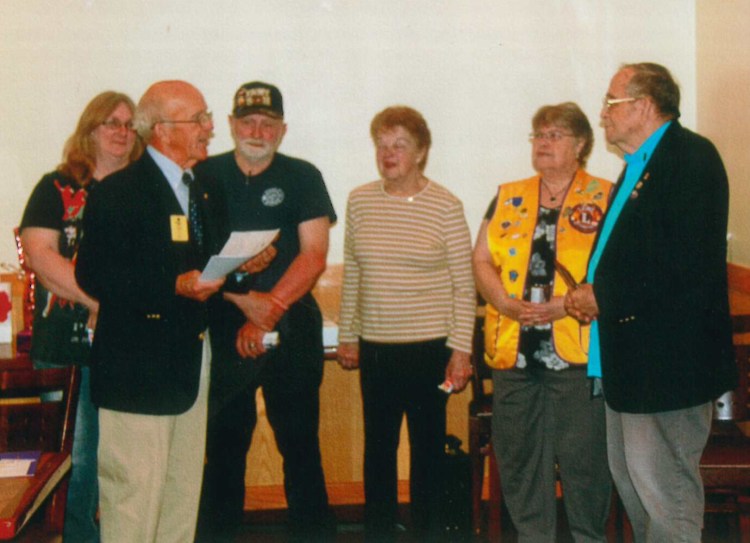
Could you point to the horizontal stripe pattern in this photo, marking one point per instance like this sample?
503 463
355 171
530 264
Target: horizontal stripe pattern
407 268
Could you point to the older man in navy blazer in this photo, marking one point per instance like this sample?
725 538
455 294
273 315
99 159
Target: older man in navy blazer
140 257
657 299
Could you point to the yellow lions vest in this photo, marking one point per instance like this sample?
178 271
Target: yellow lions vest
509 235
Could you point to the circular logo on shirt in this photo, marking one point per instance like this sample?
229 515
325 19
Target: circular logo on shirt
586 218
272 197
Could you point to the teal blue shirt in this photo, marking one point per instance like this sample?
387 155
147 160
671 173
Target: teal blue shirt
636 163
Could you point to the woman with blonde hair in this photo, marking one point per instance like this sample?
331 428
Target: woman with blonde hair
64 316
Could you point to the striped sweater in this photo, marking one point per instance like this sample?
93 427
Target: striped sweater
407 268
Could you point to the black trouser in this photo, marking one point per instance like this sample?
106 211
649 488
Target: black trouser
398 379
291 393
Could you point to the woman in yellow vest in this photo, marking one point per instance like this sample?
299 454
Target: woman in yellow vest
533 245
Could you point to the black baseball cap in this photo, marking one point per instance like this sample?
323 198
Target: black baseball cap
258 97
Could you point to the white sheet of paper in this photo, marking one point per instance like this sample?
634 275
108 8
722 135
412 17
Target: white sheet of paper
239 248
14 468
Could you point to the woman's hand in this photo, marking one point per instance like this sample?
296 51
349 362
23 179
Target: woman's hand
459 370
512 308
536 314
347 355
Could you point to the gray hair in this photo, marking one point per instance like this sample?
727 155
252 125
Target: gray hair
569 116
654 81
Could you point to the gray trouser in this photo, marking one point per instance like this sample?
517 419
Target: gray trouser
654 460
540 420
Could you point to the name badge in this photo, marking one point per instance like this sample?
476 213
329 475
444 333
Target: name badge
179 227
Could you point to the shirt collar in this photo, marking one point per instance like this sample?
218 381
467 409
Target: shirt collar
644 152
169 168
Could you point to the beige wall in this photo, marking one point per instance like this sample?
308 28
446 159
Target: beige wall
477 69
723 89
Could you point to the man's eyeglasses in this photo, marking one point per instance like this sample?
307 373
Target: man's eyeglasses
116 124
609 102
205 118
554 136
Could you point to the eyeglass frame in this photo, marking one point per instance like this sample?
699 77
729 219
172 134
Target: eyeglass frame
610 102
553 136
203 118
116 124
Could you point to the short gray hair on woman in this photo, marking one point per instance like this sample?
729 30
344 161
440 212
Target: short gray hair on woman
570 117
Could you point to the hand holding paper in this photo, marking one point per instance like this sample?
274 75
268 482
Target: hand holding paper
191 285
239 248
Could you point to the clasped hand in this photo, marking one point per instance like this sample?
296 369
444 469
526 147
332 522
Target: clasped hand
533 314
581 303
260 308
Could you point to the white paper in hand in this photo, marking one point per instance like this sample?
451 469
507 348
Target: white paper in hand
239 248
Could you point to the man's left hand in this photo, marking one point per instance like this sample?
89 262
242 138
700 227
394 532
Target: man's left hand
581 303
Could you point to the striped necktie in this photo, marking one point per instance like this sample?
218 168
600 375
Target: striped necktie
194 213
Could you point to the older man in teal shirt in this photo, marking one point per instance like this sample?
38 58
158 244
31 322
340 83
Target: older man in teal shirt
656 295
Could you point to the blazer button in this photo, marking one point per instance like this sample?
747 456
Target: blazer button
202 336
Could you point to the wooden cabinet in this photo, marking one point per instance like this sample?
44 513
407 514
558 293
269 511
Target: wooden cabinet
341 424
341 436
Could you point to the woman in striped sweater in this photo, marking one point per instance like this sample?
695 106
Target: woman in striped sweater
407 315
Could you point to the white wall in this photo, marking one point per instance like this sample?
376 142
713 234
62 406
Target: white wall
477 69
723 76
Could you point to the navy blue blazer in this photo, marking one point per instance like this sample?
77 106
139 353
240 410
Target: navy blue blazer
661 284
146 354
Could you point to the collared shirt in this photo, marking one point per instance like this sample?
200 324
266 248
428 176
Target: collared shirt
173 173
636 163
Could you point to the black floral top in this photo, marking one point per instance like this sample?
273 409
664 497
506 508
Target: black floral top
535 350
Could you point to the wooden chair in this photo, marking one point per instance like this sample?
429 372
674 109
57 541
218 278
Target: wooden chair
725 464
37 413
480 445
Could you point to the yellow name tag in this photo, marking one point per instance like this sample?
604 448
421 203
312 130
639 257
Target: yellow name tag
179 225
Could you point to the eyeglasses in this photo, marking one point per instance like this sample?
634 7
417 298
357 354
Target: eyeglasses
553 136
609 102
115 125
204 118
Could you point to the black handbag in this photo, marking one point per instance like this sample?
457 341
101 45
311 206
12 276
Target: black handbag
59 335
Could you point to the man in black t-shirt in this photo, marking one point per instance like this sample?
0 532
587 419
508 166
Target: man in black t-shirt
267 190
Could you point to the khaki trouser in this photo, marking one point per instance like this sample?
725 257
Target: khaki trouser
150 471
